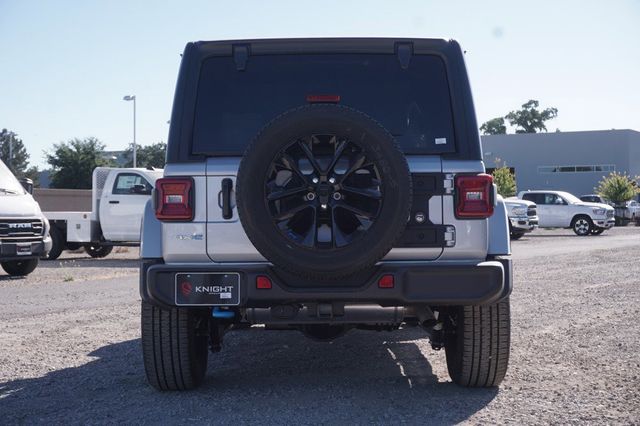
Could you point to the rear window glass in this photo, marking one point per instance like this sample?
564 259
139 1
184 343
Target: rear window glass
413 104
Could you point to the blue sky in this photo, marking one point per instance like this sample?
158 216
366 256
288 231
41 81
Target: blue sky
65 65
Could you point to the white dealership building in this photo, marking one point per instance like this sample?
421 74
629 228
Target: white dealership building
569 161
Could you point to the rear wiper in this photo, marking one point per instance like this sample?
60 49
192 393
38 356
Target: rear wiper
8 191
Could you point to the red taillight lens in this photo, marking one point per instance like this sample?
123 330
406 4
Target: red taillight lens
474 196
386 281
174 199
263 282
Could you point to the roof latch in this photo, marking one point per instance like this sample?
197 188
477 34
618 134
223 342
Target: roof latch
240 56
404 52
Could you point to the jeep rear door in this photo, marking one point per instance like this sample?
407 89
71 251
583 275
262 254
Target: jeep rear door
239 94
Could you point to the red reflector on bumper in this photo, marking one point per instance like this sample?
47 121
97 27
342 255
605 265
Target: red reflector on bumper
386 281
263 282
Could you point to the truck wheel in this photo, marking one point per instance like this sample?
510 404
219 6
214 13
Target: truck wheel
323 191
19 268
71 245
57 243
516 235
478 343
174 347
582 225
97 251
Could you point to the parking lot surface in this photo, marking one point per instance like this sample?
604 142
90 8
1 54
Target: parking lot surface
70 352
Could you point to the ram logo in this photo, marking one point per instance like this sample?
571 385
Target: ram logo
19 225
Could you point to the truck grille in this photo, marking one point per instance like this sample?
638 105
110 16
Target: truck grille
531 211
17 230
610 213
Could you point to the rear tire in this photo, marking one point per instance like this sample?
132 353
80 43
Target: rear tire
97 251
478 343
582 225
19 268
174 347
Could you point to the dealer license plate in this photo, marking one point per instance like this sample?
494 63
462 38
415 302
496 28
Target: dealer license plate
23 249
207 289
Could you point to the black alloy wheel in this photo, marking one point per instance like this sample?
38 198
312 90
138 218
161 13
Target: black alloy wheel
323 192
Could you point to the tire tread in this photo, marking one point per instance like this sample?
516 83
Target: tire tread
169 348
480 355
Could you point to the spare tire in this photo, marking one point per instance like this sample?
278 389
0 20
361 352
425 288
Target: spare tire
323 191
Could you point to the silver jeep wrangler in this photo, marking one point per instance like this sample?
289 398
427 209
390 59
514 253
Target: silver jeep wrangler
324 185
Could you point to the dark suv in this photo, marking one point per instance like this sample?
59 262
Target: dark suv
324 185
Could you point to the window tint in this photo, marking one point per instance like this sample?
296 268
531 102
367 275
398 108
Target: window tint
126 181
413 104
533 197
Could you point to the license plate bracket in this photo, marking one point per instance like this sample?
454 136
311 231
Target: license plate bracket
207 289
23 249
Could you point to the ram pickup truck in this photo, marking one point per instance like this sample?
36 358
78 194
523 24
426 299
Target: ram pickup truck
523 217
559 209
24 230
323 185
118 197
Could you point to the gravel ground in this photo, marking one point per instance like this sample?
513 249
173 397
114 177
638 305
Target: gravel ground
70 352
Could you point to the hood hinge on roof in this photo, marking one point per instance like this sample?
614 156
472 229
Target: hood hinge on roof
240 56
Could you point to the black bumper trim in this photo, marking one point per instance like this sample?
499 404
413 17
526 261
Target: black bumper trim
8 251
415 284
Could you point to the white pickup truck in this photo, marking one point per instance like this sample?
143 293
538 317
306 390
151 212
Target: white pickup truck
559 209
24 231
118 199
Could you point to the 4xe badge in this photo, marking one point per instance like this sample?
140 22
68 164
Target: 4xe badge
207 289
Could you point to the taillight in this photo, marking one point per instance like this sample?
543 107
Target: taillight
474 196
174 200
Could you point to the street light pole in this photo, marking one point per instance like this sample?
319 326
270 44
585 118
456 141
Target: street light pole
133 98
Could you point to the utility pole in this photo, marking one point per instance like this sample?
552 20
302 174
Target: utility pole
133 98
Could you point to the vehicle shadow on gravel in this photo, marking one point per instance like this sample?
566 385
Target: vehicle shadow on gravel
364 377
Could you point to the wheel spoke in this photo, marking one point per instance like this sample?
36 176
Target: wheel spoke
356 211
336 156
310 156
312 236
338 239
292 165
276 195
358 163
288 214
365 192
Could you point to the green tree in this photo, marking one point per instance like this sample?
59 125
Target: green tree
147 156
33 173
504 180
72 162
618 187
10 144
495 126
529 119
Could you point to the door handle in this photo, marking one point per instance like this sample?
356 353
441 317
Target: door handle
227 186
114 202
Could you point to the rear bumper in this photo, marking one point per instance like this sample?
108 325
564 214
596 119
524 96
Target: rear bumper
414 284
